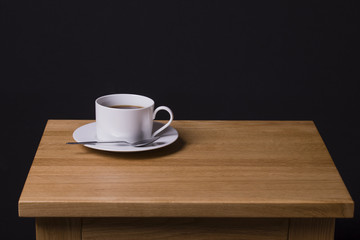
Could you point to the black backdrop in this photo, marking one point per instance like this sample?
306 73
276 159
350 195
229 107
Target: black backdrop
271 60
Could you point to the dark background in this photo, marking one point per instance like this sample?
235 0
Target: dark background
252 60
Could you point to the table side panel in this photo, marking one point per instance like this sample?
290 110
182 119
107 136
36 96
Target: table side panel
184 228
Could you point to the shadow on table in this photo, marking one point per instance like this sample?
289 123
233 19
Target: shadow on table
145 155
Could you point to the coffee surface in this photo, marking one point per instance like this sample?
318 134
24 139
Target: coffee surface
125 107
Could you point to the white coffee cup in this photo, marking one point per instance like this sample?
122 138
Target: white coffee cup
126 123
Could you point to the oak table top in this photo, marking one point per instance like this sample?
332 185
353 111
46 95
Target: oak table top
215 169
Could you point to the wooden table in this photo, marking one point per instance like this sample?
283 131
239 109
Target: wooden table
219 180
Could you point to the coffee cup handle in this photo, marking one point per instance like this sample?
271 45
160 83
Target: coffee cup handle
168 123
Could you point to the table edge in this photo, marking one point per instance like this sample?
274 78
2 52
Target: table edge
144 209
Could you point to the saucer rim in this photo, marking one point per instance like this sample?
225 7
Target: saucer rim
129 148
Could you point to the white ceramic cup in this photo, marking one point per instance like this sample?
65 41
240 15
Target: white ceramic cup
131 125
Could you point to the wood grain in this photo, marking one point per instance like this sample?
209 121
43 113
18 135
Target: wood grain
312 229
185 228
215 169
58 229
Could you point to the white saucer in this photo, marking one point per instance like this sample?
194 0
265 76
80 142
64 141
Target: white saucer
88 133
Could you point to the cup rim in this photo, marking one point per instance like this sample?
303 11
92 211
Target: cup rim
151 102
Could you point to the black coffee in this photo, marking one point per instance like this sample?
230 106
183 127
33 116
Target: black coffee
125 107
